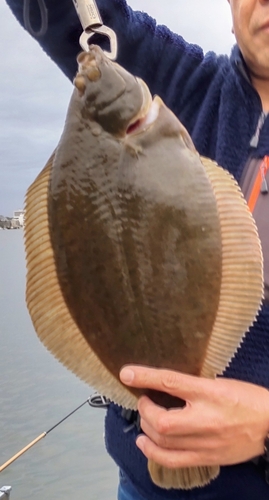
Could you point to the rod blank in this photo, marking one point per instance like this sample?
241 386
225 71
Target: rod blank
21 452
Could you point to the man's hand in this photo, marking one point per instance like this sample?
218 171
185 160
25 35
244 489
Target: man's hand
224 422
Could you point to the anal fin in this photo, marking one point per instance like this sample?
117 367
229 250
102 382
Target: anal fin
242 271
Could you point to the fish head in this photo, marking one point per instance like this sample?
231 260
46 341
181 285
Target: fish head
109 95
122 103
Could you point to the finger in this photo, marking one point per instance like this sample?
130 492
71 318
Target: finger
159 418
177 384
194 442
189 442
175 458
180 422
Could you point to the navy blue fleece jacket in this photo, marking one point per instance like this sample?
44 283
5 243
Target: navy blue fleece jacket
214 99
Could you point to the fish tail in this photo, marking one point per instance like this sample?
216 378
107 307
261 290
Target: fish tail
186 478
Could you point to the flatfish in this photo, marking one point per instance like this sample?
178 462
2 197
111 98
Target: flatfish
138 250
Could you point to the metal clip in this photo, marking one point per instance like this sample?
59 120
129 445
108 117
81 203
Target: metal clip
96 400
92 23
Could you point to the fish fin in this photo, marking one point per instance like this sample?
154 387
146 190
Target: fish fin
240 299
242 271
185 478
51 318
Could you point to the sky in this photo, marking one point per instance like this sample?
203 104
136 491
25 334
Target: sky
34 94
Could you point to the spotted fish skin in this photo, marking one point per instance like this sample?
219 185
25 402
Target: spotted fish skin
134 227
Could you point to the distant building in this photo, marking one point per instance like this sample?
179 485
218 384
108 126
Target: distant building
5 222
18 217
15 222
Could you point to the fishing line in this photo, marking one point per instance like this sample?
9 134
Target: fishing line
96 401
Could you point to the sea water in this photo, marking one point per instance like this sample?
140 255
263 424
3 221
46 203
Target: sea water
35 393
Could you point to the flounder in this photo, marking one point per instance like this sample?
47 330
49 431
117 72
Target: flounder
144 252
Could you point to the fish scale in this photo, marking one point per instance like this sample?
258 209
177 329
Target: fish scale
143 289
154 316
162 315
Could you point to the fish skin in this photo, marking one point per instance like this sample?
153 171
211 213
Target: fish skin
134 228
135 234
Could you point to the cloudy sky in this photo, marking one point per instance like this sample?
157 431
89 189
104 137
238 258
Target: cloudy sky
34 95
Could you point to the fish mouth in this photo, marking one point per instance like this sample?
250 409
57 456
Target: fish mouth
148 113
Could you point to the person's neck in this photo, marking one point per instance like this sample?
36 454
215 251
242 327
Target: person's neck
262 87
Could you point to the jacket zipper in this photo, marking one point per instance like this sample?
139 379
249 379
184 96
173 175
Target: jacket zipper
260 184
255 139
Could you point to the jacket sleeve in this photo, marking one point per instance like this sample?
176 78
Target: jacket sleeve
172 68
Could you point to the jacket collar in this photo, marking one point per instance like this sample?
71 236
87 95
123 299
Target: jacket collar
239 64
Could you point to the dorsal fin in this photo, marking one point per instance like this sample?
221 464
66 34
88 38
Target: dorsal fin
242 271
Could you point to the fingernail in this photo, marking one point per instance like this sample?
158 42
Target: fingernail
140 442
126 375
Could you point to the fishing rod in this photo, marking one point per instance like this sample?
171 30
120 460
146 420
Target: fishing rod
95 400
